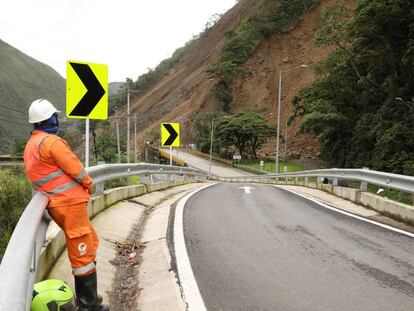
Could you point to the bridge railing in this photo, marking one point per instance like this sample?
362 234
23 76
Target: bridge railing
365 176
19 264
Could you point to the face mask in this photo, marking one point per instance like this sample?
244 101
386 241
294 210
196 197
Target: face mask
51 126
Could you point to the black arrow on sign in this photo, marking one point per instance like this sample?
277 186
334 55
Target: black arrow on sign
94 93
173 134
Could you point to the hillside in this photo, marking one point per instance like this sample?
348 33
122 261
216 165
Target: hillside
186 90
114 87
22 80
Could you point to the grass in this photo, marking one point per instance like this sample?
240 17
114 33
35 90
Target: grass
394 195
269 166
15 194
122 182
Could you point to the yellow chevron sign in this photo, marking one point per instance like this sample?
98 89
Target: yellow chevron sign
170 134
86 90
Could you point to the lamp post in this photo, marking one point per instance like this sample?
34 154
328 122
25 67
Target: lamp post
278 114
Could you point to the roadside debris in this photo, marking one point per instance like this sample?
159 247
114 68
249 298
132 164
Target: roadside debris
126 289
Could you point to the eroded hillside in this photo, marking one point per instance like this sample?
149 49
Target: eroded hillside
185 91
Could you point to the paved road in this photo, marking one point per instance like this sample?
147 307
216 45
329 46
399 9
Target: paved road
272 250
203 164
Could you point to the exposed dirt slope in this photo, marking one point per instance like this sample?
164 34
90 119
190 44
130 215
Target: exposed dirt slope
185 91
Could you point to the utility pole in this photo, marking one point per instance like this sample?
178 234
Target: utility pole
128 150
117 137
211 146
135 138
286 134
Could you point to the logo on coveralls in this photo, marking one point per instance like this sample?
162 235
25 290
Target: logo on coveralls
82 247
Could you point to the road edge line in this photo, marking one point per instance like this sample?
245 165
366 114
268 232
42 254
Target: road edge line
348 213
191 293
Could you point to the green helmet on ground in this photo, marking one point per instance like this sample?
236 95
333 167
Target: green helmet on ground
52 295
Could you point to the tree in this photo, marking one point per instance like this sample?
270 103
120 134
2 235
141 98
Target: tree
361 108
202 125
246 130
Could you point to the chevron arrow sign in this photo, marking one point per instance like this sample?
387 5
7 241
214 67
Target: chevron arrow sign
170 134
86 90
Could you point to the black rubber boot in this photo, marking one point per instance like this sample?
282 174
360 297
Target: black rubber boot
87 297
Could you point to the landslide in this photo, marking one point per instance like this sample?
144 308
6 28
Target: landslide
185 91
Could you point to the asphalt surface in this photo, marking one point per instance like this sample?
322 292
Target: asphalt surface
203 164
272 250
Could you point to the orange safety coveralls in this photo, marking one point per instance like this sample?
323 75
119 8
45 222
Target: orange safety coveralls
56 171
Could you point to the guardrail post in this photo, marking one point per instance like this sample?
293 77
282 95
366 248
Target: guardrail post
364 184
99 188
306 180
335 182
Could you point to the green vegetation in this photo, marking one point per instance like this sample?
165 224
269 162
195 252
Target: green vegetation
18 147
361 108
273 16
15 194
395 195
244 131
22 80
269 166
202 125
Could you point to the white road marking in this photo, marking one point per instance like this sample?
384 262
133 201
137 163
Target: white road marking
247 189
350 214
188 282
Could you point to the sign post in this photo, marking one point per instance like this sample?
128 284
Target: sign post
170 136
86 94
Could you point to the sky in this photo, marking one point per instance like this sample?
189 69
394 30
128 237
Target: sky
129 36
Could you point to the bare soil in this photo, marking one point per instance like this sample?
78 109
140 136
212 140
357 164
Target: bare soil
185 91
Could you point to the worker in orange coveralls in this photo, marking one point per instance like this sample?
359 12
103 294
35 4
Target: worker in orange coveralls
55 171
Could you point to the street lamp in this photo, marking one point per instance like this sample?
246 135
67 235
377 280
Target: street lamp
278 114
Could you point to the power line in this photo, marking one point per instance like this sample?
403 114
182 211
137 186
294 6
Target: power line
13 109
15 122
18 119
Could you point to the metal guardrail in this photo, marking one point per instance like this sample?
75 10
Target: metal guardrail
387 180
19 264
11 161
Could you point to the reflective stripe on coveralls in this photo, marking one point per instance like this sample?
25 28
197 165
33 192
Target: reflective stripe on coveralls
84 269
42 181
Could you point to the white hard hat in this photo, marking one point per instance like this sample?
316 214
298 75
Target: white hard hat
41 110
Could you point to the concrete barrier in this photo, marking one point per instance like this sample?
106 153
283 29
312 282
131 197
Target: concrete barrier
55 239
396 210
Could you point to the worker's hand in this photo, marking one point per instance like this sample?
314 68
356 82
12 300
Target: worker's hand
89 187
